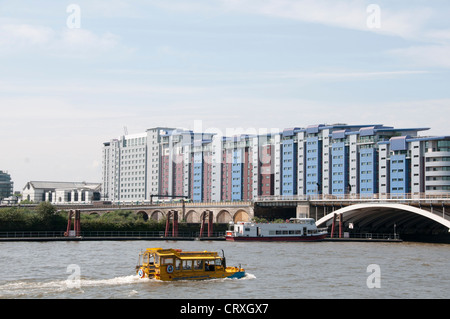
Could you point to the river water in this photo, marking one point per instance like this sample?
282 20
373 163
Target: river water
274 270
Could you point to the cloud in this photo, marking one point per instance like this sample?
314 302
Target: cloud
343 76
22 36
410 22
425 55
85 41
354 14
17 38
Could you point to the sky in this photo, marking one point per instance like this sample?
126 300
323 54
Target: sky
76 74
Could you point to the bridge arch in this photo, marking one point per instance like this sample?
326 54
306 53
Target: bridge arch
380 217
224 216
192 216
157 215
143 214
241 216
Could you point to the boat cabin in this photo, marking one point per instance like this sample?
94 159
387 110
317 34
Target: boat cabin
175 264
295 229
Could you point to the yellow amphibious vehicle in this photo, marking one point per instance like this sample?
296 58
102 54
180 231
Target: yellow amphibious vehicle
175 264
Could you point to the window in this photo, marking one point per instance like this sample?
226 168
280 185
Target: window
198 264
187 264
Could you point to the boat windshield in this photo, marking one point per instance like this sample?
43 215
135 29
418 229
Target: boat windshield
150 259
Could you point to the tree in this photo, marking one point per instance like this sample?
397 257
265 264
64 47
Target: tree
46 210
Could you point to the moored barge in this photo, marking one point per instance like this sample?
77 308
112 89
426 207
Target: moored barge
295 229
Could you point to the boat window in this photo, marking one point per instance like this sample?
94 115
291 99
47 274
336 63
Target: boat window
298 231
148 259
209 265
218 262
177 264
165 261
198 264
247 229
156 259
187 264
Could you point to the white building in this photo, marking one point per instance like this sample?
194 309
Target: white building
130 170
61 192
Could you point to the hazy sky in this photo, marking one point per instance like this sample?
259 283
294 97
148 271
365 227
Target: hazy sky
73 76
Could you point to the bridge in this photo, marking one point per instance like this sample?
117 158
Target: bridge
406 214
223 212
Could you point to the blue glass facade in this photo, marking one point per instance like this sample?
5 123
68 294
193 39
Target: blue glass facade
313 165
339 168
368 180
289 167
400 174
236 175
198 177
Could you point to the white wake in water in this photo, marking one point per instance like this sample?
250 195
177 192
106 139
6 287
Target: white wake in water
26 288
33 289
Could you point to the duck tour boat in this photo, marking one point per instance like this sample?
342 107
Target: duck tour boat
295 229
175 264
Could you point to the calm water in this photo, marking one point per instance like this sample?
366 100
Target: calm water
274 270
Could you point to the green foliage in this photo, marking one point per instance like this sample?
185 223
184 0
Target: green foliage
11 218
26 219
46 218
264 220
119 220
259 220
46 210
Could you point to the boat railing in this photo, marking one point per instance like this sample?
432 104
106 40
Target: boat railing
368 236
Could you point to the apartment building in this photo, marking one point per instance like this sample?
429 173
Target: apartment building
6 185
337 160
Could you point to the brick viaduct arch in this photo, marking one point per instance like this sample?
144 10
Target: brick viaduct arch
223 214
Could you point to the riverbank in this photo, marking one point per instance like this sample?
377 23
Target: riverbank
118 236
80 238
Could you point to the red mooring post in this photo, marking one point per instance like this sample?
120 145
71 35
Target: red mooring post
175 224
76 215
210 224
77 223
332 225
69 224
340 225
202 227
166 233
